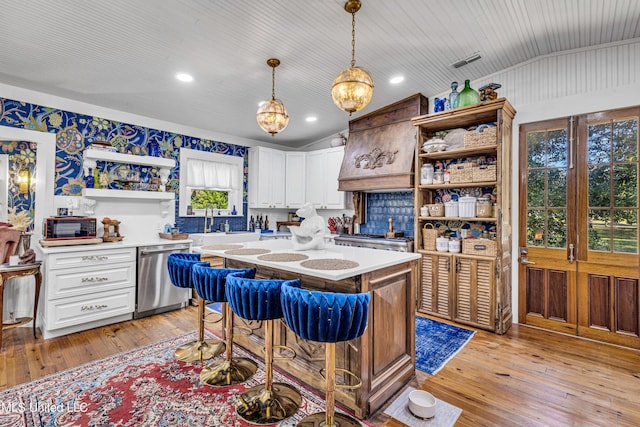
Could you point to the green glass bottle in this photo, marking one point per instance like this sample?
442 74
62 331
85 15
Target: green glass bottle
467 96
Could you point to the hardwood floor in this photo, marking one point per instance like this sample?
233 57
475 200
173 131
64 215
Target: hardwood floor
526 377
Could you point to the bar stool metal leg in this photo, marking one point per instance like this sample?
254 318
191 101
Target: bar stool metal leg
270 402
231 370
201 349
330 418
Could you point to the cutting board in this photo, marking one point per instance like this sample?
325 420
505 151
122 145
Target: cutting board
69 242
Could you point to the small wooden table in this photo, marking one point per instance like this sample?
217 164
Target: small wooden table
8 272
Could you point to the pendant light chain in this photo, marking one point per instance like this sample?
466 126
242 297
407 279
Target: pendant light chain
353 39
273 82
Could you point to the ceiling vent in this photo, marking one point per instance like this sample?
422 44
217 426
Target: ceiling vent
473 57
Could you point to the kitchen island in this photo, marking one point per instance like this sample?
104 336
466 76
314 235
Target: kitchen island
384 357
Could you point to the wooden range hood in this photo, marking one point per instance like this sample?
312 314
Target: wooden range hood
380 150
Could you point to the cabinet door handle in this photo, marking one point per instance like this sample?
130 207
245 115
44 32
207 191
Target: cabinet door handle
94 257
93 307
93 279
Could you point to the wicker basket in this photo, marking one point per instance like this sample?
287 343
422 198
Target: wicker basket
484 173
461 172
479 247
429 236
481 136
436 210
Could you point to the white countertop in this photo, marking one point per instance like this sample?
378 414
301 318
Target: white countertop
125 243
368 259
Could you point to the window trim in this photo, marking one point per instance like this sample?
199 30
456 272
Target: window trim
235 196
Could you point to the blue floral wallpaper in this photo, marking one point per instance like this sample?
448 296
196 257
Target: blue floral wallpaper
75 132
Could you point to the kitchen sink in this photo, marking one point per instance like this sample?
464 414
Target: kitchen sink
213 238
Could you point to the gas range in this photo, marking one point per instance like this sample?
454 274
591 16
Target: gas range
375 241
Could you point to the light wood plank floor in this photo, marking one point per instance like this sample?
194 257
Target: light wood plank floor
527 377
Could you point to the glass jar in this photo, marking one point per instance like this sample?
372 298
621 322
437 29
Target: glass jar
467 97
438 177
426 174
483 207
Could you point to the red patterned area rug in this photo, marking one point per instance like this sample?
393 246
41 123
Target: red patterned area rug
142 387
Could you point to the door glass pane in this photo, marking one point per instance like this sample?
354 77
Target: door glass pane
536 142
599 186
625 189
625 141
535 227
557 148
599 230
535 186
547 188
557 236
599 145
557 188
613 186
625 231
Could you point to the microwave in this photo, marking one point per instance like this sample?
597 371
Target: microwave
69 227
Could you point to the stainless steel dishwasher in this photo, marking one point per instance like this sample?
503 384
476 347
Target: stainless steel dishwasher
155 292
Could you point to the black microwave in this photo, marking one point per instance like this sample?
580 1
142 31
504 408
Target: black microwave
69 227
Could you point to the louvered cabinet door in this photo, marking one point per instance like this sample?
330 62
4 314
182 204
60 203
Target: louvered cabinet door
434 292
474 292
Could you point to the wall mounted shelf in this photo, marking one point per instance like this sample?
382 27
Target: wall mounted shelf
109 156
127 194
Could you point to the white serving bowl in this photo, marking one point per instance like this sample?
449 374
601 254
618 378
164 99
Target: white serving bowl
422 404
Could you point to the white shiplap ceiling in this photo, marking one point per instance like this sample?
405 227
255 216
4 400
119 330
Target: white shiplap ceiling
123 54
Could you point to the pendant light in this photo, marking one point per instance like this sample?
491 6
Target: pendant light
272 116
353 88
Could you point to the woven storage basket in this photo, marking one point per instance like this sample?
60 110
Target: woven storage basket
485 136
436 209
484 173
429 236
461 172
479 247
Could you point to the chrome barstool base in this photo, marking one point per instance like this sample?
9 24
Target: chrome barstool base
259 406
200 350
319 419
225 373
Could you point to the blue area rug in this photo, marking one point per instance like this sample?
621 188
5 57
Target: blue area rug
437 343
215 306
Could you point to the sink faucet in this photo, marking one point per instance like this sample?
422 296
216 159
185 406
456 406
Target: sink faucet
208 208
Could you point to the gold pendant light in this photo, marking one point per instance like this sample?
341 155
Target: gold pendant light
272 116
353 88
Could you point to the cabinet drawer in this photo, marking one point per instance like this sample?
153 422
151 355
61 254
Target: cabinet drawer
88 280
88 308
88 258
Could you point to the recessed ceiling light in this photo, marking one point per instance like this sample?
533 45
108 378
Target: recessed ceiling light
396 79
184 77
311 119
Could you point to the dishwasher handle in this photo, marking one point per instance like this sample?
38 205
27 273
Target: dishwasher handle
158 251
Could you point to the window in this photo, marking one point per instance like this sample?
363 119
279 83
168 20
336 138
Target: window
210 180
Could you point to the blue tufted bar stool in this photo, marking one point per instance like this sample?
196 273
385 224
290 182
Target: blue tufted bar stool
330 318
211 282
180 266
254 299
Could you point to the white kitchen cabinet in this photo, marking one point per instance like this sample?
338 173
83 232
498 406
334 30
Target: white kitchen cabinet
87 289
295 182
266 178
323 167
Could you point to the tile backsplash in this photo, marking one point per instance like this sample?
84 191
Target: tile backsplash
382 206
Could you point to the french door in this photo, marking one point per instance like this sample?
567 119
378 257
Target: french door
578 234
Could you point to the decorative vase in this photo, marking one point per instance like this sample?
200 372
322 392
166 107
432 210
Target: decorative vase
234 211
153 149
453 95
467 96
